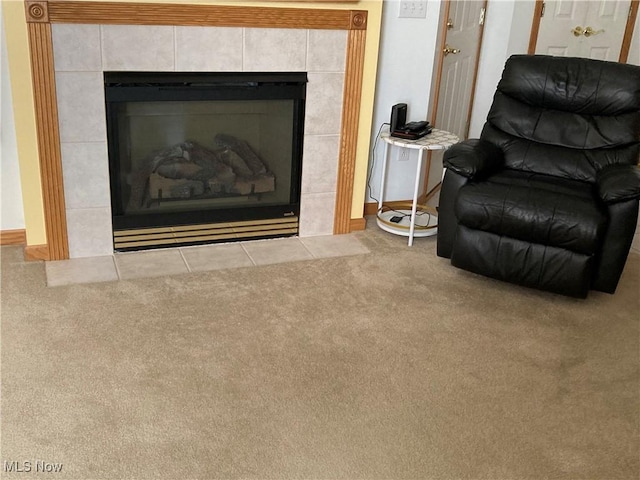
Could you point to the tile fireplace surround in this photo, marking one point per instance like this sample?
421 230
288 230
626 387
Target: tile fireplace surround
81 41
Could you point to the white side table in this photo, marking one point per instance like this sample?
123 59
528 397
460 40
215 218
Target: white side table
436 140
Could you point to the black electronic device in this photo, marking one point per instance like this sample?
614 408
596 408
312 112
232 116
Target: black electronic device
401 129
398 116
414 127
412 130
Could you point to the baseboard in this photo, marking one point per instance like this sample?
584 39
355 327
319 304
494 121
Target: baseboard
13 237
372 208
357 224
36 252
19 237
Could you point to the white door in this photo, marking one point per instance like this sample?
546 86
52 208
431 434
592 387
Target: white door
465 21
607 20
583 28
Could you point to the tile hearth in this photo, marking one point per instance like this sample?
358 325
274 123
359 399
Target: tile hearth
175 261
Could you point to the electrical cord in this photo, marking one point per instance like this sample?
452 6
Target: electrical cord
373 161
402 214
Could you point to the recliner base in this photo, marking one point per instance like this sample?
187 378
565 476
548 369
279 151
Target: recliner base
529 264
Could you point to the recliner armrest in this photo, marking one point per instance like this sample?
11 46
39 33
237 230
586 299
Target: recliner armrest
473 157
617 183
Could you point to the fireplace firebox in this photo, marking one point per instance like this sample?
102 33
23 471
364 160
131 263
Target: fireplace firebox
203 157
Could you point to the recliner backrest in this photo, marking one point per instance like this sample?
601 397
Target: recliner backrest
567 117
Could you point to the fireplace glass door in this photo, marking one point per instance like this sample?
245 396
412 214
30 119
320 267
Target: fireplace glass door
204 149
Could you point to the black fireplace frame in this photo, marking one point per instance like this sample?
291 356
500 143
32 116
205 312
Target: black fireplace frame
203 86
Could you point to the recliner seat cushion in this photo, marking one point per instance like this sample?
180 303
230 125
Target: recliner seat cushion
534 209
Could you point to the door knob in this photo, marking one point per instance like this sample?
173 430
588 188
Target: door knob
577 31
449 25
447 50
590 31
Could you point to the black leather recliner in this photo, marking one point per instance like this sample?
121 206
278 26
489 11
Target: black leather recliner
547 197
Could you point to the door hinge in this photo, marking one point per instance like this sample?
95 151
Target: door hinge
482 12
544 5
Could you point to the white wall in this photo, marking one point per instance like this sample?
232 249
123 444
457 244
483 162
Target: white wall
11 209
407 55
405 68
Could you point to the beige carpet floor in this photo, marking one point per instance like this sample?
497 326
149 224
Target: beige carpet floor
388 365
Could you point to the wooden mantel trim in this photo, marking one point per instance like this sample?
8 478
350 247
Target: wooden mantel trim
49 152
40 14
37 11
105 13
349 133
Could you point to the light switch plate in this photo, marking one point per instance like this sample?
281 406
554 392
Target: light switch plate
413 9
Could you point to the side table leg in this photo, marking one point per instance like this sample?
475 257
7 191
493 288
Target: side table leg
383 175
412 227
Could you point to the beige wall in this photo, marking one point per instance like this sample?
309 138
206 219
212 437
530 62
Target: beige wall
23 113
20 73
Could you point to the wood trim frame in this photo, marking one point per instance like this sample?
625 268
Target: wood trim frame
40 14
113 13
628 33
44 90
36 252
535 26
358 224
13 237
349 130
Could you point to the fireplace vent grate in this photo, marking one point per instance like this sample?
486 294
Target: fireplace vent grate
144 238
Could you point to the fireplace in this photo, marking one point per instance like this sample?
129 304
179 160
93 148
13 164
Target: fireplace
204 157
73 43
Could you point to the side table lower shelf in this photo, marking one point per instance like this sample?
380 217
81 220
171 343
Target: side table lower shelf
426 220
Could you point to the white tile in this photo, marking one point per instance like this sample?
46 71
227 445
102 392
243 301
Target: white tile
320 166
174 261
279 250
216 257
81 110
76 47
324 103
316 214
89 231
86 175
81 270
208 49
151 263
334 245
274 49
138 47
327 51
